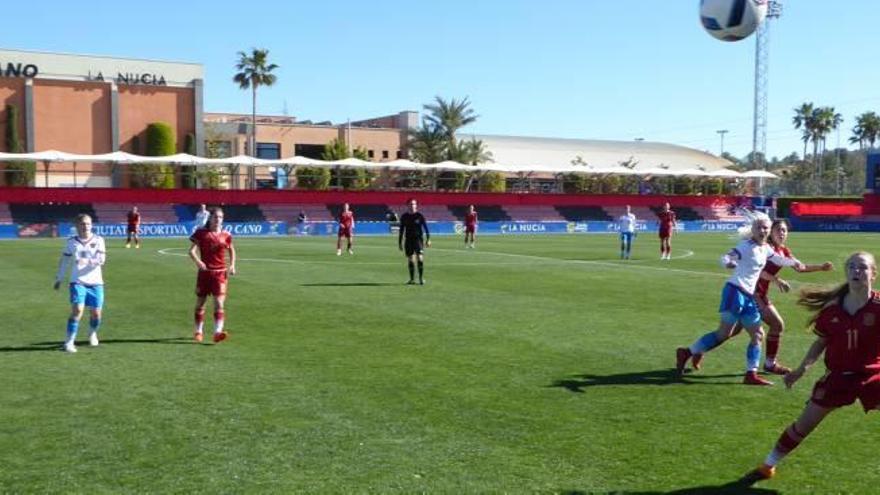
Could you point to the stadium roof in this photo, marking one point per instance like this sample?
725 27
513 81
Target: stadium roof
537 153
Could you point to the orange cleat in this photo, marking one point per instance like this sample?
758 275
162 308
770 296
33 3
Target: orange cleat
777 369
197 336
752 378
697 361
761 473
682 354
219 337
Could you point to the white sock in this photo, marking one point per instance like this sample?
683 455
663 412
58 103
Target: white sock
218 326
773 458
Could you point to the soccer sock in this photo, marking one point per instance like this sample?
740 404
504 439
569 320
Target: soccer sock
218 321
200 320
421 269
94 323
753 356
772 349
72 328
704 344
412 270
788 441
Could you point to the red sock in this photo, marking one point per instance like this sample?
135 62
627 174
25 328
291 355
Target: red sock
200 316
789 440
773 346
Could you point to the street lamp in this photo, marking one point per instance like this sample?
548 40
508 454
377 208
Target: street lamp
722 132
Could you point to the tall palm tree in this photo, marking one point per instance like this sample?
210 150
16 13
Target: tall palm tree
866 130
803 119
450 116
254 71
825 120
472 152
427 143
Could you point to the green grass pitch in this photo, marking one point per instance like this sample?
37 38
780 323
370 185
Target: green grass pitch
533 364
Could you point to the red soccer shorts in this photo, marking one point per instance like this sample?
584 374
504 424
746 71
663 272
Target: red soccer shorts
211 283
344 232
132 229
665 233
470 229
837 389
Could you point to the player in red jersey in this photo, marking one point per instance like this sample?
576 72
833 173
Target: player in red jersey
470 227
208 251
847 327
346 229
667 227
134 225
769 314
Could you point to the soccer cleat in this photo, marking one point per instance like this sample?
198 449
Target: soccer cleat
350 251
752 378
338 252
93 339
137 246
760 473
777 369
697 361
68 347
682 354
127 246
198 337
219 336
411 282
421 281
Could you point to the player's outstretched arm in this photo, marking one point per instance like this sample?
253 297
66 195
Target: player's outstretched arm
810 358
824 267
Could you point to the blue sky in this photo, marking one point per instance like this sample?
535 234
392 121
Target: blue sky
619 69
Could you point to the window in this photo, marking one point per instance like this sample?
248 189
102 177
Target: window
384 154
218 149
399 154
270 151
371 154
309 150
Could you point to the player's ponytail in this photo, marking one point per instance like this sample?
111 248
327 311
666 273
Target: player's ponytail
752 217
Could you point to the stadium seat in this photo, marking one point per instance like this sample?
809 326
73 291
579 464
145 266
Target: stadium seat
49 212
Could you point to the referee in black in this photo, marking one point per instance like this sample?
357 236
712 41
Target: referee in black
411 224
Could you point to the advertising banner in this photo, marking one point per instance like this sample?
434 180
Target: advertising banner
179 229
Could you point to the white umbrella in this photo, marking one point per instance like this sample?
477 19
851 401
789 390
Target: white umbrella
724 173
238 160
297 161
758 174
660 171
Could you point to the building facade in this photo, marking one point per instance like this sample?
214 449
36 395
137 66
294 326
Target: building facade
92 105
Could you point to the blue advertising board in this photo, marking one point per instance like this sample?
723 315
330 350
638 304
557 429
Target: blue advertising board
514 228
179 229
833 225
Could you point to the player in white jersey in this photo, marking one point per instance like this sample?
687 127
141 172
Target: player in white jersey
738 303
627 224
84 254
202 216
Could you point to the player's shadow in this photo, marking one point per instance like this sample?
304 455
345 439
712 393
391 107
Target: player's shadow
734 488
55 345
743 485
350 284
577 383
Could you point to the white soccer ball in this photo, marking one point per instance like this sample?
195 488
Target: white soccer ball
732 20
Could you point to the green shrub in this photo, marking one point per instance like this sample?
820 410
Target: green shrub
314 178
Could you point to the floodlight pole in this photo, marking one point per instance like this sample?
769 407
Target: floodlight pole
759 127
722 132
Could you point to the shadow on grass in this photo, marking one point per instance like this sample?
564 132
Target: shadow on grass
740 486
578 383
56 344
351 284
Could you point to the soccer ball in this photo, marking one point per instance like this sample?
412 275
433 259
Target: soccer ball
732 20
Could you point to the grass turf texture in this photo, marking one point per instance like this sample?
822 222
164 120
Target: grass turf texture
531 364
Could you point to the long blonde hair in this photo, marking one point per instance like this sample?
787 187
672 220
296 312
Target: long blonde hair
753 217
817 298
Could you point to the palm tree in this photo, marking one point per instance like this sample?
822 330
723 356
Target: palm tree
254 71
450 116
866 130
825 120
427 143
472 152
803 119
